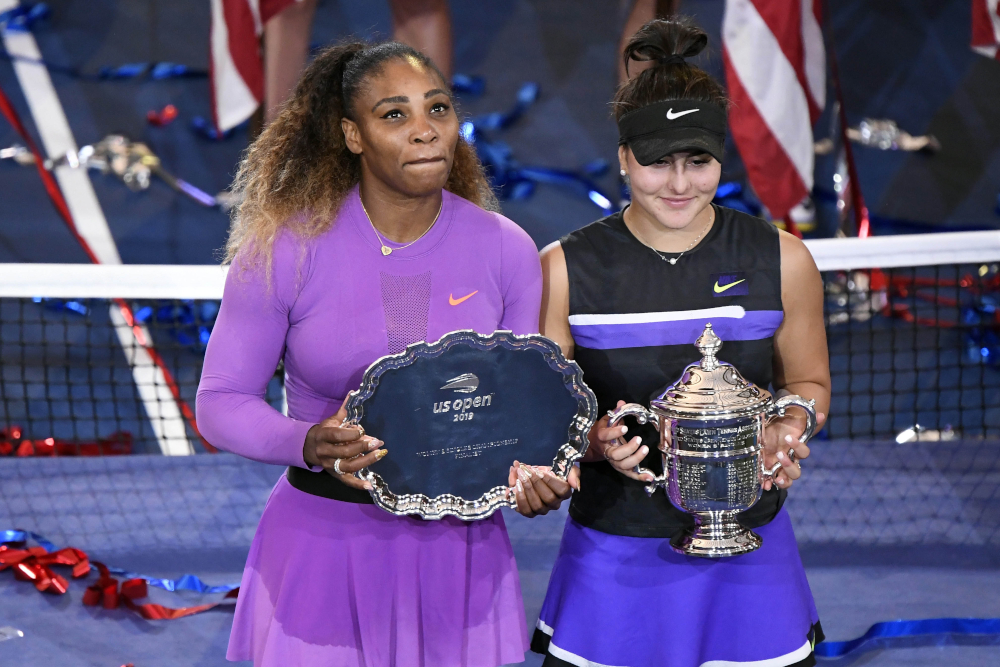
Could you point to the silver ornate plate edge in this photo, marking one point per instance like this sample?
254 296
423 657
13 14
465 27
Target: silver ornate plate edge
449 505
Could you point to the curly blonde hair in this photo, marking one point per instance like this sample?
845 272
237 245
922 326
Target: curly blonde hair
298 172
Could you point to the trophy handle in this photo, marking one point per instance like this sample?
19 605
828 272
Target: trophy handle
643 416
778 408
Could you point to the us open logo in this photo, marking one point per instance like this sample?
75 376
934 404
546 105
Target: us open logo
462 408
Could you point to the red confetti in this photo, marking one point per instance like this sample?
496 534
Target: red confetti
105 592
11 443
34 564
163 117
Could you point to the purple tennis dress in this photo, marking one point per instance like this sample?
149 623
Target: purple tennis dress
337 583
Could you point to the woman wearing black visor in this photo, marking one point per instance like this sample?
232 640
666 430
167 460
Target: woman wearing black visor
626 297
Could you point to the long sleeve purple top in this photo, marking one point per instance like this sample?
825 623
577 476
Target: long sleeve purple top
330 582
337 304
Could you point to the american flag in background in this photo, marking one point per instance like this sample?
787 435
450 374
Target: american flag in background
986 28
236 67
775 66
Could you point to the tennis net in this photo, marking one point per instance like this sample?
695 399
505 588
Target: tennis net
912 328
106 359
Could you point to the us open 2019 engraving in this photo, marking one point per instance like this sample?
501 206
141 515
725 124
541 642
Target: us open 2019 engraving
462 407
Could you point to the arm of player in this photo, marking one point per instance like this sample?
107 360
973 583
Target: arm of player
801 360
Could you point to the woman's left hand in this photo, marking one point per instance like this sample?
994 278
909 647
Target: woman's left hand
781 435
537 490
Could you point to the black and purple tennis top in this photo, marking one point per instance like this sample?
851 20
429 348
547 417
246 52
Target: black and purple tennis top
635 317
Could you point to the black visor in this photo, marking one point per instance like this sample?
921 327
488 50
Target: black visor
673 126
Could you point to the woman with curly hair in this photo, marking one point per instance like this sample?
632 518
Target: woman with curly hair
366 225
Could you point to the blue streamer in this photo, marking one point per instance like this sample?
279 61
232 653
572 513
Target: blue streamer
732 195
23 17
155 71
893 631
206 129
23 535
152 71
463 84
187 582
516 181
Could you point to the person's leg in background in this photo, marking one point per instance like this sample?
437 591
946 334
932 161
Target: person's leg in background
423 24
642 12
426 26
286 48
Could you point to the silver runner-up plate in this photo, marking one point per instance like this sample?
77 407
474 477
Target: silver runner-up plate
455 414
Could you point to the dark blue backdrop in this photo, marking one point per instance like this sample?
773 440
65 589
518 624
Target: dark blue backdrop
907 61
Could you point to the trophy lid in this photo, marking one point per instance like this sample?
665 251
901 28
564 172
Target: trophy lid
711 388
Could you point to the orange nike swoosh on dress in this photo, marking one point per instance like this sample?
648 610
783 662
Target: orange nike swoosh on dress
453 301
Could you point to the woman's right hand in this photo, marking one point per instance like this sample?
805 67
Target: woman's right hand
331 440
606 443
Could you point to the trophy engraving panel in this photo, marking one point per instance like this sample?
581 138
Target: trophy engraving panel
728 437
715 464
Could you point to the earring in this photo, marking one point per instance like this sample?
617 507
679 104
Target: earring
622 172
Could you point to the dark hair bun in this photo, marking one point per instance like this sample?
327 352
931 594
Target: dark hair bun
661 38
666 42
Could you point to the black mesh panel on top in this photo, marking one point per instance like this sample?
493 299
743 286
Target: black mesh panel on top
406 301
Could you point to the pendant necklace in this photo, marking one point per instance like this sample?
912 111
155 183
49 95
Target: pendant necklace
386 250
673 260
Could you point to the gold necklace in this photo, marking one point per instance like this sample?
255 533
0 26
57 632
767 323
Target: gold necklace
673 260
386 250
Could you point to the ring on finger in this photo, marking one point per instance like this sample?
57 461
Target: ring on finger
794 459
336 467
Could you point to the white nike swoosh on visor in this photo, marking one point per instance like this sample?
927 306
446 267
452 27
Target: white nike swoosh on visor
671 115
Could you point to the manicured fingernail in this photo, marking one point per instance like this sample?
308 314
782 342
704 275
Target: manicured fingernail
644 450
375 443
638 439
781 456
368 486
381 454
520 489
624 429
788 439
523 475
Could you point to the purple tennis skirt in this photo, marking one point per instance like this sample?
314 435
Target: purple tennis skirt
632 601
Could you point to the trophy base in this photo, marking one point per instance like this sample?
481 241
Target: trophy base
718 535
